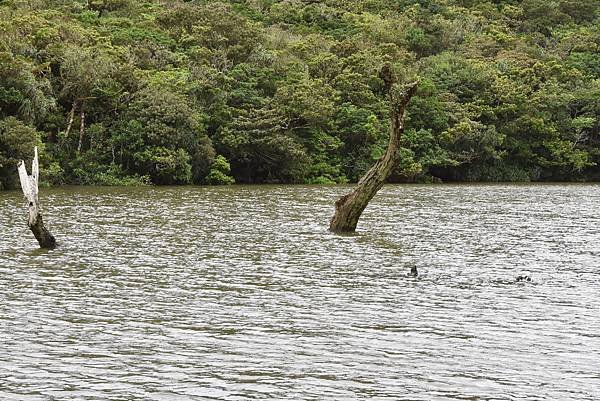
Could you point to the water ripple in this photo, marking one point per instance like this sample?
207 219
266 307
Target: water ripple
241 293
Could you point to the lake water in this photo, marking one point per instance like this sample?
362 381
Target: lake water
240 293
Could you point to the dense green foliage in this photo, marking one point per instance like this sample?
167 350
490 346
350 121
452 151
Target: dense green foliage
174 92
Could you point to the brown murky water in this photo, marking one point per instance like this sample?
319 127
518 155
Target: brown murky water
241 293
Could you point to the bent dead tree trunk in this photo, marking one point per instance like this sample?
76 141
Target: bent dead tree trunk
29 185
349 207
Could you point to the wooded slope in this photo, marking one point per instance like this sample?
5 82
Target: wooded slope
173 92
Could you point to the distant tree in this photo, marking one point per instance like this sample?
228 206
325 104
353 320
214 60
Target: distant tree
160 126
17 142
220 172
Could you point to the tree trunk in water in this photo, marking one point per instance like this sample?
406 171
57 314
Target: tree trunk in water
349 207
29 185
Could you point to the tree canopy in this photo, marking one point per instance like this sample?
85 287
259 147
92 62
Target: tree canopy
267 91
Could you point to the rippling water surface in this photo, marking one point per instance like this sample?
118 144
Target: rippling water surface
241 293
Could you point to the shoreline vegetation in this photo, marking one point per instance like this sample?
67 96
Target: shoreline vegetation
132 92
349 185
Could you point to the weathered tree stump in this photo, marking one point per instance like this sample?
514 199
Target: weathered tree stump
349 207
29 185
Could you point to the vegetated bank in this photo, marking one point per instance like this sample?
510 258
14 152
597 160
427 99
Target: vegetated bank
129 92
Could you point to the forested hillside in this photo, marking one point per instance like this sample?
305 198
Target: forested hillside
265 91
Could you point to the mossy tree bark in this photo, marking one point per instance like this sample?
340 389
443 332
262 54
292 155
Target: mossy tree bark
29 185
349 207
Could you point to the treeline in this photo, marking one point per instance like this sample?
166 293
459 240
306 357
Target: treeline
124 92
